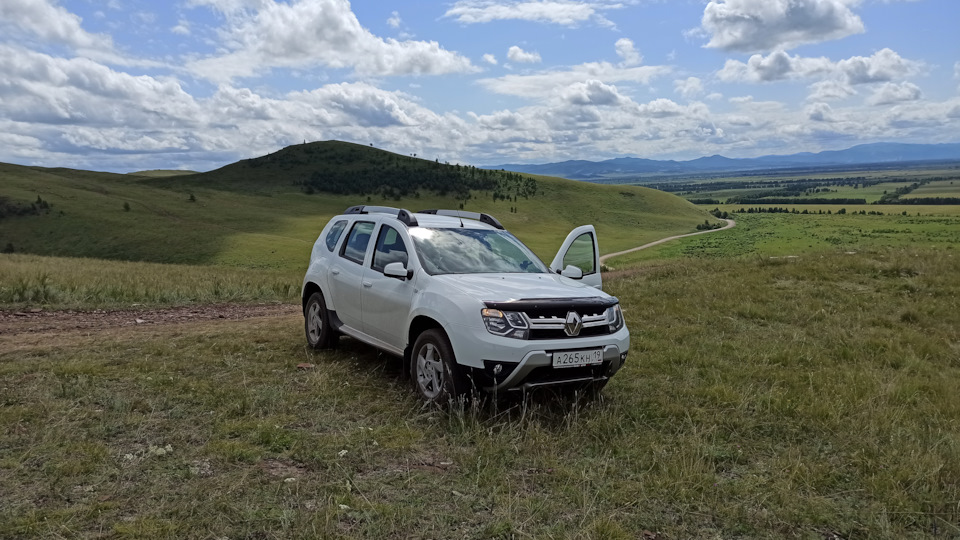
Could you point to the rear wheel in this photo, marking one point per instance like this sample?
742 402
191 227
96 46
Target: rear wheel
433 367
316 322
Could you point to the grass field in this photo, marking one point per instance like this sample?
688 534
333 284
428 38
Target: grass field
780 235
70 283
810 397
941 188
888 182
870 193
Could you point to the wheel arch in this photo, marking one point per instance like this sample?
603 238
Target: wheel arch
308 289
419 325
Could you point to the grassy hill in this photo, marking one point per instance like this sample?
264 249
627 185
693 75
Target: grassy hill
258 213
163 173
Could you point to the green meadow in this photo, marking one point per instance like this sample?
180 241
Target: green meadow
789 234
792 377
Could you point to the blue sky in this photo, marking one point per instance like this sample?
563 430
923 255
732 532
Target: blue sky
124 85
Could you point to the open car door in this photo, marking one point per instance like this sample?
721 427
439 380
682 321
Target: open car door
579 257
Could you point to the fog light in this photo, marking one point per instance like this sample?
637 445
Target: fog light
497 369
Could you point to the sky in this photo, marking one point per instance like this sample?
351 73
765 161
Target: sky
127 85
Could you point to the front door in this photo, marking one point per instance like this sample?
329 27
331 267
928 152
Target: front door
580 249
387 299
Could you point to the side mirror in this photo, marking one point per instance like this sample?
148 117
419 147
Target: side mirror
572 272
397 270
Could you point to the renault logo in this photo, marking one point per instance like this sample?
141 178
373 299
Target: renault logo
573 324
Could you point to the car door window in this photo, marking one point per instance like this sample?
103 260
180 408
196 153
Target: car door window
581 254
334 235
355 247
390 248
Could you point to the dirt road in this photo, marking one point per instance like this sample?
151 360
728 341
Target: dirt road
730 224
43 321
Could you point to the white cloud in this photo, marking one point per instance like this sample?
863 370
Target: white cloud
777 66
890 93
546 83
567 13
689 88
661 108
231 7
394 21
49 22
626 50
357 104
182 28
42 88
820 112
490 59
311 33
830 90
884 65
767 25
592 93
520 56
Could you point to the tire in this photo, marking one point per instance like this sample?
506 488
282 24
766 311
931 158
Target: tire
434 371
316 323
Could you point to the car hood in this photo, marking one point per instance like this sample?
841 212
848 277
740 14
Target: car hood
508 287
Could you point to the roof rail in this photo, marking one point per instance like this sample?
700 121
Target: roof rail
482 218
404 216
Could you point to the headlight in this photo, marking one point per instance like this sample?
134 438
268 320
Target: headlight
614 318
510 324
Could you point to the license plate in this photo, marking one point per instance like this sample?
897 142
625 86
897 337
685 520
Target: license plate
587 357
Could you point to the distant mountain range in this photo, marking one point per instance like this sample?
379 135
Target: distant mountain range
621 169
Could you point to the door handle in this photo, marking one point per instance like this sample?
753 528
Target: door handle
368 284
334 271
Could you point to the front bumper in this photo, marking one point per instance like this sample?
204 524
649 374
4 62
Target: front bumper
502 364
536 370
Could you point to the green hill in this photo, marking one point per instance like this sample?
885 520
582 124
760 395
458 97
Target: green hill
266 212
163 173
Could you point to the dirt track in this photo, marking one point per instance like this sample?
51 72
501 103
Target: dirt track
730 224
42 321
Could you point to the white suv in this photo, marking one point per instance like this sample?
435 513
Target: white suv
466 304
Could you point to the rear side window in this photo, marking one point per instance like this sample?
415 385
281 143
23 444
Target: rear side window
334 235
356 245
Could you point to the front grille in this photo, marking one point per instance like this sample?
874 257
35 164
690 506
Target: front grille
547 317
551 325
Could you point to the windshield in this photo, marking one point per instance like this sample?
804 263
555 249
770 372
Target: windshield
473 251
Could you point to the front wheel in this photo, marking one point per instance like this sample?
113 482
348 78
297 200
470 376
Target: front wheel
316 322
434 370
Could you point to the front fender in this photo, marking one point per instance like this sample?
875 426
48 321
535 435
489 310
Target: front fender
457 314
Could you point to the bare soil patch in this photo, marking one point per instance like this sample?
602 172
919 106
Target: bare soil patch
43 321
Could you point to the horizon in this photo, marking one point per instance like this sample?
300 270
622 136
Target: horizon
196 85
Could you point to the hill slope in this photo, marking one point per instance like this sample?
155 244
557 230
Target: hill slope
258 216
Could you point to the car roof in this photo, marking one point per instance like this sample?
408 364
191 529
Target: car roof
440 219
448 222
